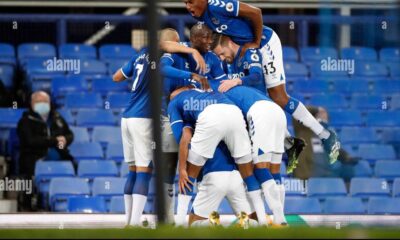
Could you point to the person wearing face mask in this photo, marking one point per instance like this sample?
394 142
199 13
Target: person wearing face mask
43 134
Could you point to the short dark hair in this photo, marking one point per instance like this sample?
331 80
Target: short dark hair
219 39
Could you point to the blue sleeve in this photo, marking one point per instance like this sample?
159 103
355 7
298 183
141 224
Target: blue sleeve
229 8
168 70
176 120
127 69
217 70
255 76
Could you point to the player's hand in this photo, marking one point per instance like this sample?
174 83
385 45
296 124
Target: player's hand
62 142
200 63
228 84
184 181
247 46
202 80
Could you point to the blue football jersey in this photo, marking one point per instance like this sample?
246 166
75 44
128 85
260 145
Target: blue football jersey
222 16
187 106
248 68
138 69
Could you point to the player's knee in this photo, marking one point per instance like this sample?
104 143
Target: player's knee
130 182
262 174
142 183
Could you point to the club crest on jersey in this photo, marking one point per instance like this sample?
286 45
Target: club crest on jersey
215 20
229 7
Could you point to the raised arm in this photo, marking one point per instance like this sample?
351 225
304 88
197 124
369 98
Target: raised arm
254 15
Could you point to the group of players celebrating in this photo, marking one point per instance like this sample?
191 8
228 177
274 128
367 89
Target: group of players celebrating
219 125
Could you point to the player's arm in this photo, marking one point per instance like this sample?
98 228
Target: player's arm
254 15
183 156
125 71
174 47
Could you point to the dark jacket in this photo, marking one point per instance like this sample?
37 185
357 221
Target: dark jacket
36 138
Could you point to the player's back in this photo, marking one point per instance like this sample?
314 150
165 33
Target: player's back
138 69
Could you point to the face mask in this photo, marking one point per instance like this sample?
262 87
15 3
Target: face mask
41 108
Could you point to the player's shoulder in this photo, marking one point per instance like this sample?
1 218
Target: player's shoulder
252 54
228 6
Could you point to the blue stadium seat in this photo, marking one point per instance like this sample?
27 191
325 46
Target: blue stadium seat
369 187
38 66
10 117
329 101
115 65
352 86
296 187
311 86
150 207
395 102
80 134
62 188
67 115
46 170
105 85
108 187
388 169
294 69
383 118
369 69
326 187
355 135
359 53
326 71
394 70
118 100
311 55
378 205
116 51
373 152
91 67
391 135
83 100
396 187
289 54
115 152
117 204
7 54
362 169
86 204
346 205
351 149
107 134
36 50
368 101
95 117
225 207
386 86
97 168
86 150
7 75
302 205
389 55
77 51
123 170
62 85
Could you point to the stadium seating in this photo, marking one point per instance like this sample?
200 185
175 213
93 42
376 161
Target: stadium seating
388 169
105 85
300 205
294 69
36 50
83 100
46 170
115 64
369 187
97 168
80 134
116 51
311 86
329 101
10 117
62 188
290 54
395 102
362 169
396 187
317 71
373 102
62 85
7 75
367 69
123 169
115 152
384 206
325 187
107 134
7 54
311 55
67 115
108 187
77 51
359 53
86 150
225 207
118 100
352 86
92 67
345 118
117 204
389 55
346 205
383 118
386 86
95 117
390 135
373 152
295 187
394 70
352 135
86 204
